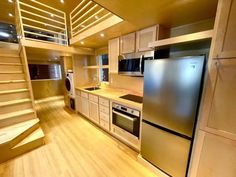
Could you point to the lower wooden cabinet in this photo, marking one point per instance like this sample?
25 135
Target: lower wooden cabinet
85 106
93 112
218 157
78 104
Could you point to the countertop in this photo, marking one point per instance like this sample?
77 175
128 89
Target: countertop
113 94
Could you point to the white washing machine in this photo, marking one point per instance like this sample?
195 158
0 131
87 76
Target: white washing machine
69 84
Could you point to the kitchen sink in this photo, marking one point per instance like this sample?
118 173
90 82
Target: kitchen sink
92 88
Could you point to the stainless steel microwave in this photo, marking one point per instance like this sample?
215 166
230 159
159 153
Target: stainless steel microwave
132 66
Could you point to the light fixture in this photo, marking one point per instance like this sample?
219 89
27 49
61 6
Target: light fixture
82 26
96 17
10 15
62 1
52 15
3 34
82 42
10 1
102 35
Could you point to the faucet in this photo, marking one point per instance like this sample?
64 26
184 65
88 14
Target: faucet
96 81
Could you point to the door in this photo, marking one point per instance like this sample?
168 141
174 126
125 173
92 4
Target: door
78 104
85 106
166 151
94 111
127 43
171 92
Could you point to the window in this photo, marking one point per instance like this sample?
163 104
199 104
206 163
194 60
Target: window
8 33
45 71
103 68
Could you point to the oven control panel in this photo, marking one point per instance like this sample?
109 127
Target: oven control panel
126 109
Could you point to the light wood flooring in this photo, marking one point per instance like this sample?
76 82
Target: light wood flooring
74 148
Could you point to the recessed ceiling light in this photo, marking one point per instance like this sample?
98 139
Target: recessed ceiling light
10 15
62 1
3 34
82 42
102 35
10 1
96 17
82 26
52 15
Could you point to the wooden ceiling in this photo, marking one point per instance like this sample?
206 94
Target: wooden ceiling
137 14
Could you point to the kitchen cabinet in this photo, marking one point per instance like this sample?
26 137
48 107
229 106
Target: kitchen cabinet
113 53
104 112
144 37
218 157
78 104
225 46
127 43
84 104
93 108
223 105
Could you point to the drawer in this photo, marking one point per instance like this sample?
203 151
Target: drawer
85 95
104 125
77 92
104 102
104 109
93 98
104 117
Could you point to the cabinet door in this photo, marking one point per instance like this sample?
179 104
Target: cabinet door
225 46
218 157
85 107
127 43
223 106
144 37
78 104
93 112
113 50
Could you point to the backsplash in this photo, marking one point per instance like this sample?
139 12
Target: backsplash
126 82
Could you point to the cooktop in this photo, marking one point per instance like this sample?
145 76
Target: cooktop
134 98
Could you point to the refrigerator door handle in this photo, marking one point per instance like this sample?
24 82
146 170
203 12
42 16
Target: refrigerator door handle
125 116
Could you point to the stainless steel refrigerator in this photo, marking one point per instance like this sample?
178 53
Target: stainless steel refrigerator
172 89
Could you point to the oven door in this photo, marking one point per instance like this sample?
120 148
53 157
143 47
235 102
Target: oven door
131 66
125 121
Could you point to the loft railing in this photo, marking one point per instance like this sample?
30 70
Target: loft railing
40 22
86 15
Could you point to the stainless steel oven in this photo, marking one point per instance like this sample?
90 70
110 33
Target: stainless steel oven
126 118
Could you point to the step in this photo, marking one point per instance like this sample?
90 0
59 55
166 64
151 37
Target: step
10 59
13 76
11 68
11 72
16 117
13 134
12 95
13 85
32 141
15 105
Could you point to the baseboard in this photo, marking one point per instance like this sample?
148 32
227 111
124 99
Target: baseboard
49 99
151 167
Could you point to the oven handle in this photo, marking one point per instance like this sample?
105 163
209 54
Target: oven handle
125 116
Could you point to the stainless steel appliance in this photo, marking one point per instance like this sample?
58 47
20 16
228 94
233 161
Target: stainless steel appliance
172 89
133 64
126 118
134 98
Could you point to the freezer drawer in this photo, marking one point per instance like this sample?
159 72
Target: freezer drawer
164 150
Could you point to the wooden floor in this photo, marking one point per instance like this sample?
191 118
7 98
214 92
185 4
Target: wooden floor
74 148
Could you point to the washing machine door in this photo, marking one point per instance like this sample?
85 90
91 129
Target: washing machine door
68 84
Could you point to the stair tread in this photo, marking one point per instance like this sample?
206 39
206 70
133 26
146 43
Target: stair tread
11 72
10 132
12 81
14 64
37 134
13 91
7 103
17 113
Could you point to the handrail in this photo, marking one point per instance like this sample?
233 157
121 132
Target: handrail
90 2
52 28
77 6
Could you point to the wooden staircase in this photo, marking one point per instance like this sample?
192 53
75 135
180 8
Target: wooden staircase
19 126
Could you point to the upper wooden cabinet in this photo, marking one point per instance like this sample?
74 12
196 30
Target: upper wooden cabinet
144 37
113 52
127 43
225 46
